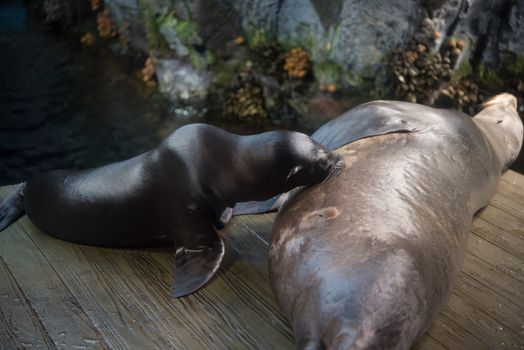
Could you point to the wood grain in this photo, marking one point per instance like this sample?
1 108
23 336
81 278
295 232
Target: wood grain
20 325
55 294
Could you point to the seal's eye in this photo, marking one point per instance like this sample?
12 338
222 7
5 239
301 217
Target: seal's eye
499 121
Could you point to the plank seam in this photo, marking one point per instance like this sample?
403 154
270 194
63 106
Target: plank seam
253 232
512 184
493 204
492 243
455 325
487 262
480 218
47 337
77 302
488 287
487 316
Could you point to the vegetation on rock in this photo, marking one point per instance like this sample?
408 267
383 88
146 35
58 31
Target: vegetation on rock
297 63
105 27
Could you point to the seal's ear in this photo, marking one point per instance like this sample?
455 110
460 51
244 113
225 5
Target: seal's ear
197 262
293 171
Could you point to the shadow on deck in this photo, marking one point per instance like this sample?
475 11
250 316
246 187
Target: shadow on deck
55 294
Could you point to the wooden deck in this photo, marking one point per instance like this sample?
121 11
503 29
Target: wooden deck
55 294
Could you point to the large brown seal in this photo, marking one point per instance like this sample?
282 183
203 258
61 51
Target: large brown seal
175 192
368 259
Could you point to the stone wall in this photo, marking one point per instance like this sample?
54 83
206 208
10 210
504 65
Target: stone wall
348 41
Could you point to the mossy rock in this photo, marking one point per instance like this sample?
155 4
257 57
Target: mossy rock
512 66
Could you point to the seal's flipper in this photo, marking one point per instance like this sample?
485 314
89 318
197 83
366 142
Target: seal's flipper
196 264
12 207
376 118
267 206
224 219
254 207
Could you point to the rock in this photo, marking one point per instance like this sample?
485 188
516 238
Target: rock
512 37
128 11
489 27
353 34
62 12
347 41
179 80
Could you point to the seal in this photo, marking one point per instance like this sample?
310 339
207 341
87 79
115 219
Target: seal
175 192
368 259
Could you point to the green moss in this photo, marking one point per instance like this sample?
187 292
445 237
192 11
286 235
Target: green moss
488 77
464 70
200 61
257 38
150 18
381 88
223 73
327 72
319 49
186 31
512 66
182 35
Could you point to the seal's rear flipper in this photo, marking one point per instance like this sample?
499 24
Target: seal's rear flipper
196 265
12 207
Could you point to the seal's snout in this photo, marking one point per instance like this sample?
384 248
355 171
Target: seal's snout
502 126
340 164
336 165
504 99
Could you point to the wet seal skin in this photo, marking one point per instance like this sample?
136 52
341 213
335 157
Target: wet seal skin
181 192
368 259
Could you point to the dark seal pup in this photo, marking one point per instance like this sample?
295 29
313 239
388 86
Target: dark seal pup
368 259
175 192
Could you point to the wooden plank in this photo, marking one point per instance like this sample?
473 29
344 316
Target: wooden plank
20 326
64 321
503 220
128 296
481 297
429 343
505 240
104 285
260 225
495 256
126 293
514 178
490 277
453 336
509 199
480 324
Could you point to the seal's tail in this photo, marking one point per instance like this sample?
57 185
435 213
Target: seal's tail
12 206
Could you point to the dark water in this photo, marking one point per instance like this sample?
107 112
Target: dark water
64 106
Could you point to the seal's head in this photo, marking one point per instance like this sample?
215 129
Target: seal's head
282 160
502 126
309 161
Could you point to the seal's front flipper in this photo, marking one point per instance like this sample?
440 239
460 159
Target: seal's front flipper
254 207
267 206
196 264
12 207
